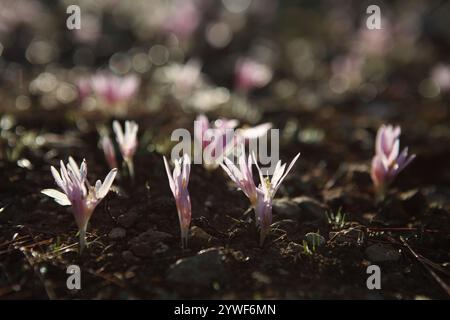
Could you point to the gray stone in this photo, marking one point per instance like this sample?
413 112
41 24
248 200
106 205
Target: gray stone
129 257
117 233
200 270
380 253
311 209
261 277
150 243
286 208
300 208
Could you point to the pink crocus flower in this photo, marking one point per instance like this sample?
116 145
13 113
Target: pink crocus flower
251 74
78 193
266 192
216 140
109 152
242 176
220 138
84 88
388 161
127 142
183 18
178 182
114 91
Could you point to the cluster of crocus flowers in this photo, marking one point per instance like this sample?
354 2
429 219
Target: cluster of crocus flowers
178 182
216 141
251 74
260 197
78 193
127 141
388 160
112 92
113 89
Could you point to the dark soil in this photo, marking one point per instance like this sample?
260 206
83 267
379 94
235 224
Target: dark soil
333 85
38 238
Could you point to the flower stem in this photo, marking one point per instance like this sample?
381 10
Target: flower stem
380 194
130 167
184 237
262 236
82 233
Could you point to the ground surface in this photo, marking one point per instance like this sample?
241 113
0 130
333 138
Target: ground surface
135 252
334 83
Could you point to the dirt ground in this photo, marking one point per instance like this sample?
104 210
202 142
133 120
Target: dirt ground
409 231
333 85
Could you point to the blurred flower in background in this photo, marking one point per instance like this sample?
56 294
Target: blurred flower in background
182 18
239 58
440 75
251 74
14 13
184 78
113 93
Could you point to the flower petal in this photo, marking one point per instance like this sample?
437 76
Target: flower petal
186 168
169 176
73 165
255 132
58 196
119 132
287 172
106 185
58 179
277 173
403 160
263 184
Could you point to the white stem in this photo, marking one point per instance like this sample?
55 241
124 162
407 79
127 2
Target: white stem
130 167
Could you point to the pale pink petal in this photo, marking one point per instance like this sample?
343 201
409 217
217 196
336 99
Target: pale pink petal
106 185
58 196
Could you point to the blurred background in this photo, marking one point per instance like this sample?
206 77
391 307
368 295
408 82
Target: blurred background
202 55
282 61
